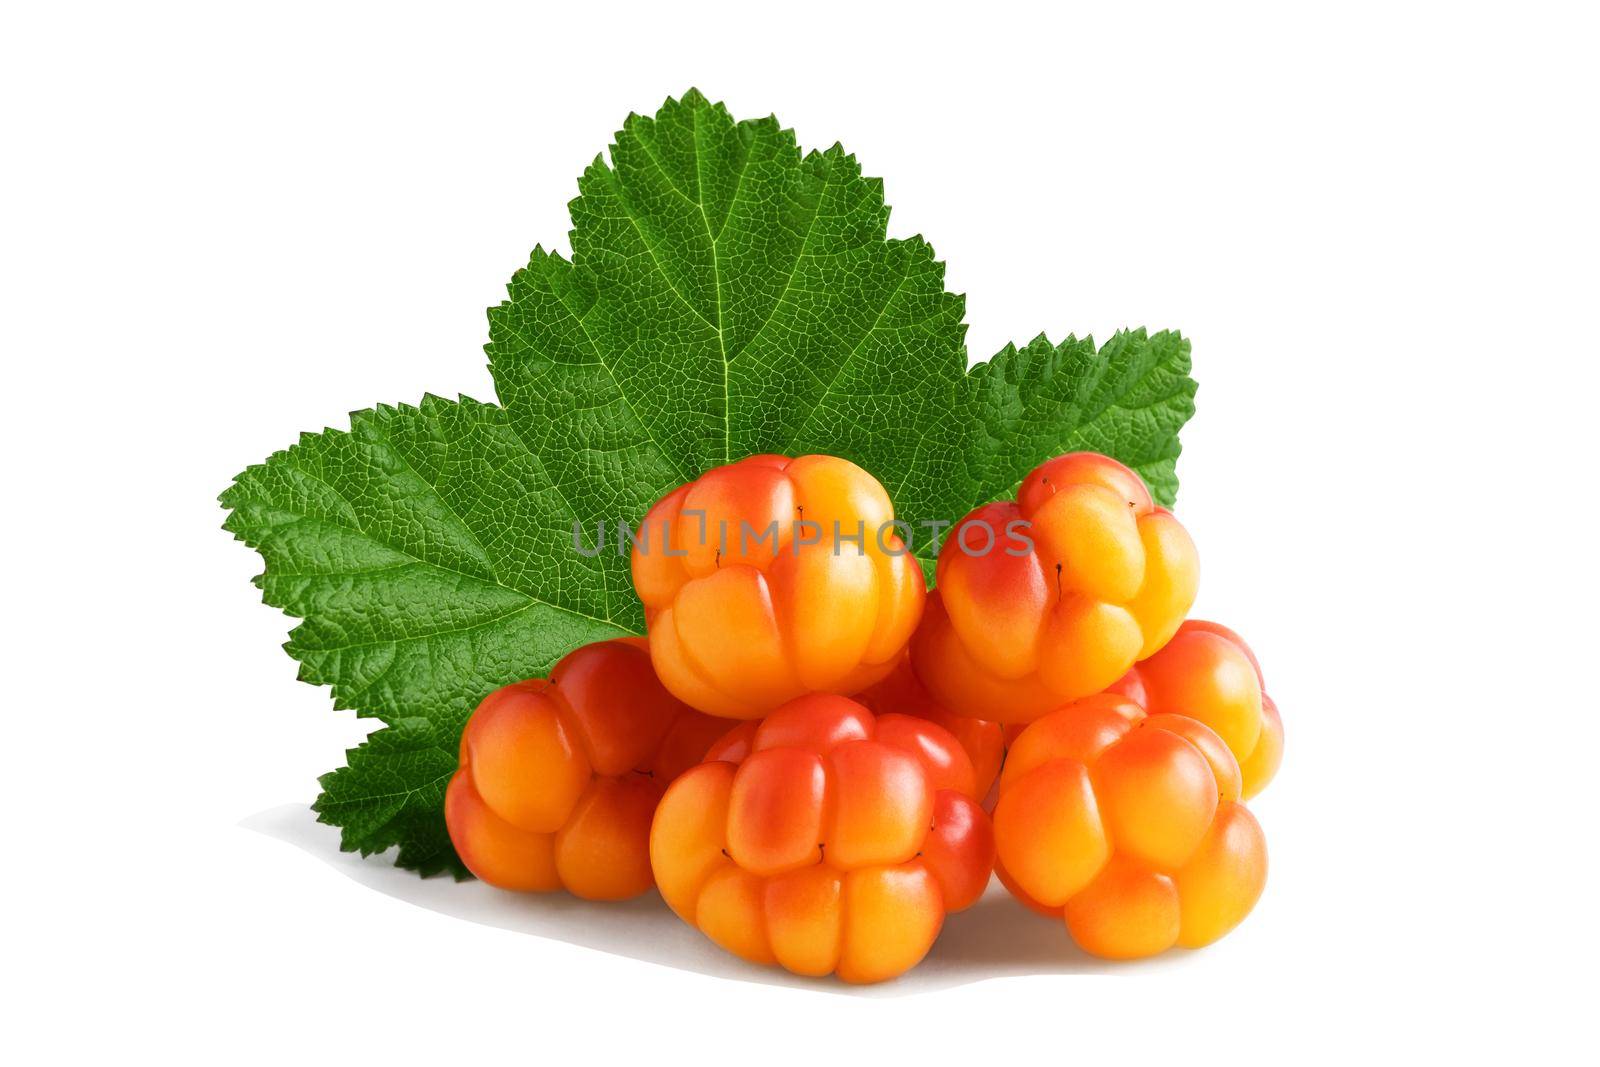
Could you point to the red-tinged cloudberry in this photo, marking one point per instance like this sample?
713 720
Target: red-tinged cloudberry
825 839
560 777
1053 596
774 577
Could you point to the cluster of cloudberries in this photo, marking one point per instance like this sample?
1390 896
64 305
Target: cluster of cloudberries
815 759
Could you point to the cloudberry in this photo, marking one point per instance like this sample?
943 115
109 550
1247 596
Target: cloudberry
825 840
1054 596
774 577
559 778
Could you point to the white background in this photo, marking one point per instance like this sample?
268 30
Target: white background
223 226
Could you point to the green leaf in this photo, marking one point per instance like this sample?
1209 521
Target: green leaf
726 294
391 793
429 555
1129 399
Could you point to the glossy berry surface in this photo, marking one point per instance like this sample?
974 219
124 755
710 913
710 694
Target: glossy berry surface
1053 596
1129 827
825 839
1207 672
560 777
774 577
903 693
